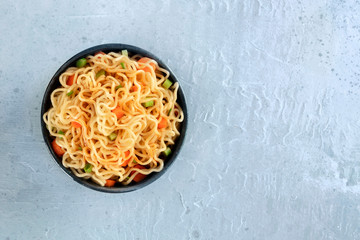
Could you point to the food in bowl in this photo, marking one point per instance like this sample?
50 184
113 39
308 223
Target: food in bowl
115 118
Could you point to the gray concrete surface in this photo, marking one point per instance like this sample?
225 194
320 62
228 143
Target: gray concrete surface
273 145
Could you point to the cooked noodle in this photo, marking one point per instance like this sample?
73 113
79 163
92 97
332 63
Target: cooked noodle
89 101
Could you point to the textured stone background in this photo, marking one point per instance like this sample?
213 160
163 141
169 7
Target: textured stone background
272 150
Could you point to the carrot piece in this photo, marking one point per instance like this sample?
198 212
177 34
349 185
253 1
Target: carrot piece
162 123
134 88
75 124
70 80
126 162
118 112
145 60
57 149
127 153
139 176
110 183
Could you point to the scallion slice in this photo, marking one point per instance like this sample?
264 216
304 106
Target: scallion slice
100 73
149 103
70 93
169 111
61 132
167 84
88 168
81 62
167 151
123 65
112 136
117 87
125 53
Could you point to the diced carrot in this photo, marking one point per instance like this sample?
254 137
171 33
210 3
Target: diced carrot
100 52
134 88
70 80
162 123
145 60
118 112
57 149
126 162
110 183
75 124
139 177
127 153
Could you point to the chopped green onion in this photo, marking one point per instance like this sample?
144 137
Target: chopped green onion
124 52
100 73
123 65
134 161
88 168
112 136
61 132
167 84
69 93
169 111
149 103
80 148
117 87
167 151
81 62
127 178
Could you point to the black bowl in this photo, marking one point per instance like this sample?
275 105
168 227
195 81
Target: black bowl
54 83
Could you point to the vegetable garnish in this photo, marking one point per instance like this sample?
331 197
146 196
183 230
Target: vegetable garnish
100 73
75 124
123 65
88 168
112 136
149 103
118 86
126 162
118 112
57 149
134 88
147 68
162 123
70 93
169 111
167 84
139 176
81 62
125 52
110 183
61 132
80 148
70 80
167 151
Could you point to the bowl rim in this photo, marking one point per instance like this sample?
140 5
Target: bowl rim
54 83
